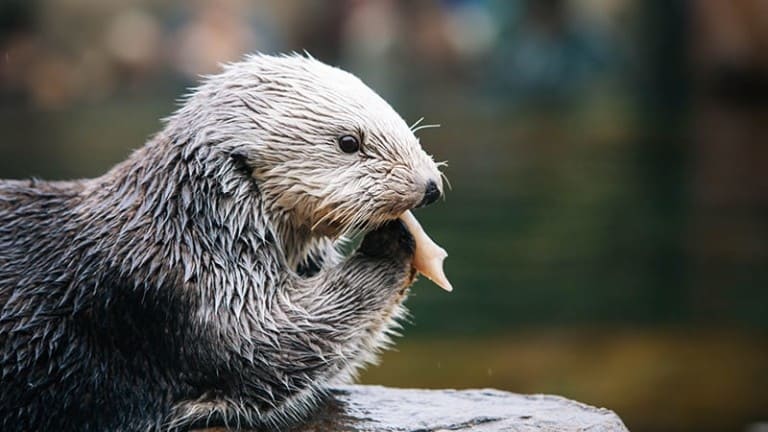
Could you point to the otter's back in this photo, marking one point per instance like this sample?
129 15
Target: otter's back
32 212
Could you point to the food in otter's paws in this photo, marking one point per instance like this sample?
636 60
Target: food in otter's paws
428 257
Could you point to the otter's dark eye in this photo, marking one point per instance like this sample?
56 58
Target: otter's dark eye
349 144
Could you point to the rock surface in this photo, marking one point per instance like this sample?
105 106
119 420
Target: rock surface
370 408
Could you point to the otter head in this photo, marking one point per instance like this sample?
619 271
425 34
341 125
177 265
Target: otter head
327 152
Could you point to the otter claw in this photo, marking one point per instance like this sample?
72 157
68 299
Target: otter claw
428 257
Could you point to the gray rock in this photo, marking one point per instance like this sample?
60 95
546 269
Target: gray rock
371 408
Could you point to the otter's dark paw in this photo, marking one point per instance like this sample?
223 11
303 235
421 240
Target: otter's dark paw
391 240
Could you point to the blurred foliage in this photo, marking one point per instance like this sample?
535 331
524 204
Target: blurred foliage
607 159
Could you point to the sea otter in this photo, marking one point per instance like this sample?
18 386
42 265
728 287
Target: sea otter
200 281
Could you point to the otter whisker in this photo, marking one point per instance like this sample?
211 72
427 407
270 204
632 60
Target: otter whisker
328 216
425 126
358 222
340 213
354 221
416 124
447 182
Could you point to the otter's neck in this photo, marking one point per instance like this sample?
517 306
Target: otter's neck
303 249
198 199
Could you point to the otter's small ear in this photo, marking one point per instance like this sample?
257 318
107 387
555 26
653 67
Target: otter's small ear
240 159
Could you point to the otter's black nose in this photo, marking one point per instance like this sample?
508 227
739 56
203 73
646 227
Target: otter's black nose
431 194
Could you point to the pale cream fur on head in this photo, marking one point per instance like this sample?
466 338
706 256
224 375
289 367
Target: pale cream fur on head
296 108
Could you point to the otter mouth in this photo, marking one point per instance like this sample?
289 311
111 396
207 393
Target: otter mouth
428 256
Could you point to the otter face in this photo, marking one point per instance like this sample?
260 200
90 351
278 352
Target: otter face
324 147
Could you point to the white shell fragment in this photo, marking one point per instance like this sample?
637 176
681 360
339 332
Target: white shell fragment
428 257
